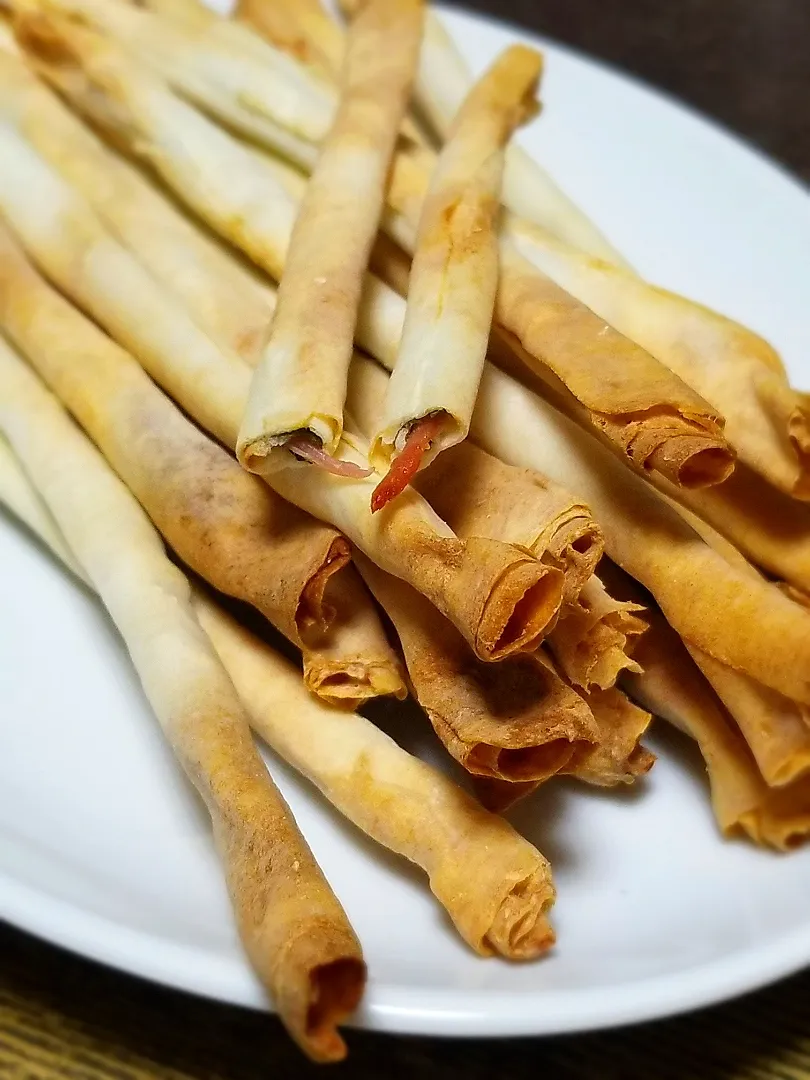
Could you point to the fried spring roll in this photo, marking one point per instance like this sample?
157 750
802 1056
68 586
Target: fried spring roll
442 83
595 637
618 756
642 408
401 802
672 686
454 279
292 926
731 367
232 305
229 527
299 387
516 720
478 495
500 599
710 603
495 886
302 30
270 102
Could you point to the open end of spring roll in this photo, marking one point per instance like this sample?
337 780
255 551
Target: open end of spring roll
594 640
291 924
501 599
453 280
494 885
618 756
734 369
711 604
515 720
498 796
300 384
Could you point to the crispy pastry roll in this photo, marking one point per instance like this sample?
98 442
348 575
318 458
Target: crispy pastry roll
618 756
454 279
293 928
297 395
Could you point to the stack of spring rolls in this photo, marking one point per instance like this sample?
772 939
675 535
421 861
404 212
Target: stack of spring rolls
281 297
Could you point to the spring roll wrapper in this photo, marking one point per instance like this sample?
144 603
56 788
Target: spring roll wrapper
594 639
767 422
495 886
290 922
478 495
516 720
230 527
710 603
283 26
617 756
498 597
197 160
277 103
673 687
642 409
300 383
454 276
235 309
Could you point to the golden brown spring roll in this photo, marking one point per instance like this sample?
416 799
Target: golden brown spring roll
514 721
595 638
499 796
710 603
617 756
229 527
298 390
495 886
672 686
731 367
501 599
454 278
644 410
401 802
232 305
291 924
478 495
317 42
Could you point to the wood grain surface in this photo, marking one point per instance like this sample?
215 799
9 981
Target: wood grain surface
747 63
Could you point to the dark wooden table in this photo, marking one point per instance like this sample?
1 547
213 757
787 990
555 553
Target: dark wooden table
746 62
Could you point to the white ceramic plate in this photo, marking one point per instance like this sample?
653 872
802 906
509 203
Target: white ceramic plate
104 850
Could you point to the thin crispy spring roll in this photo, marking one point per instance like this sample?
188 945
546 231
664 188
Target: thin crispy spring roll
501 599
280 105
731 367
711 604
515 721
442 83
672 687
478 495
618 756
454 279
233 306
299 388
495 886
595 637
302 30
401 802
229 527
291 924
642 408
194 157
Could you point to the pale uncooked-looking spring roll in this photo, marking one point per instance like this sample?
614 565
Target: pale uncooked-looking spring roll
401 802
711 604
637 404
229 527
232 305
298 390
442 83
672 686
291 924
731 367
478 495
516 720
264 101
595 637
453 280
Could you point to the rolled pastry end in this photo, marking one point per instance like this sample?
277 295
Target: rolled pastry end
520 929
407 449
521 608
688 454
